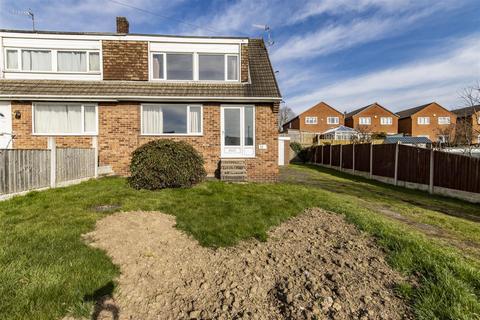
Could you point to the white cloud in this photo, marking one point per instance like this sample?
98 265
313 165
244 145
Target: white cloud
435 79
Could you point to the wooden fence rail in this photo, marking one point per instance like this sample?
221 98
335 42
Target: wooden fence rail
23 170
414 167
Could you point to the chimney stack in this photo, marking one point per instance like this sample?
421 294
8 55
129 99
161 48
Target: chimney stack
122 25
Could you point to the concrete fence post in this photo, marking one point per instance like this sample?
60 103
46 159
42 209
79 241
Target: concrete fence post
322 154
95 148
53 161
371 160
432 170
395 179
330 156
353 158
341 155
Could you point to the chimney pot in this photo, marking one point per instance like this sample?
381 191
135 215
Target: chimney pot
122 25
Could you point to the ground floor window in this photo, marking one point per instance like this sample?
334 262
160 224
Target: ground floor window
65 119
165 119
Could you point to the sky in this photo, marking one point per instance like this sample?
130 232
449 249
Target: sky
399 53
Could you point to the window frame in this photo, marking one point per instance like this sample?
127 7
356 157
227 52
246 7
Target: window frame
423 123
387 123
444 123
365 124
307 118
83 105
196 66
335 122
54 60
196 134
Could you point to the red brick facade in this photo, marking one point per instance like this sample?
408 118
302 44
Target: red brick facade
125 60
375 112
321 111
119 135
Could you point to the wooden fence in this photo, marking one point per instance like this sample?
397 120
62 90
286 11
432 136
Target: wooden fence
414 167
23 170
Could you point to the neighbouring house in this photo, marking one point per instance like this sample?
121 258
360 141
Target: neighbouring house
468 124
430 120
120 90
317 119
373 118
342 133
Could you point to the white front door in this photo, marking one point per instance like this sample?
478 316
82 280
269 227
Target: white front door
238 131
5 125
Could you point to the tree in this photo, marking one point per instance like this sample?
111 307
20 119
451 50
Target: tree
464 129
364 135
284 115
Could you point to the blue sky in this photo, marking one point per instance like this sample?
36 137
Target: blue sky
347 53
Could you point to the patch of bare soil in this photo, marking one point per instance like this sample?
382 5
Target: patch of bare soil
314 266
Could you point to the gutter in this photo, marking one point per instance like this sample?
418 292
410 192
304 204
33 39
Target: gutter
135 98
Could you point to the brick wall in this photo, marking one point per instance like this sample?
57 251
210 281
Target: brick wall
432 130
375 112
321 111
125 60
244 63
119 135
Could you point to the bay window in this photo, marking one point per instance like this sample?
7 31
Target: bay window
65 119
171 119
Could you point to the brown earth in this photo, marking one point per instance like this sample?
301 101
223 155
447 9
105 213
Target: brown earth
314 266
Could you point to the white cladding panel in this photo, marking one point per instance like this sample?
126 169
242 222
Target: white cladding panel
52 43
194 47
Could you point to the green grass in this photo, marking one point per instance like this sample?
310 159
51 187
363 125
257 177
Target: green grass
46 270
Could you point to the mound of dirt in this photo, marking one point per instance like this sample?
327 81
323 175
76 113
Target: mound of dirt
314 266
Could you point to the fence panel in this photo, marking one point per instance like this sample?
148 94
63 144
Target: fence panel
22 170
384 160
336 155
326 154
362 157
75 163
413 164
456 171
347 156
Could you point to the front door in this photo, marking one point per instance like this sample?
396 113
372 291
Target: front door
238 131
5 125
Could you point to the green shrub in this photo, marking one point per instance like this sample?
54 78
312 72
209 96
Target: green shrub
165 164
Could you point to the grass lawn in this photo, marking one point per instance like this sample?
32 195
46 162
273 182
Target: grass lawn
46 271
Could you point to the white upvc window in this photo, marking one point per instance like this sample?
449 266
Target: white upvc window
194 66
423 120
311 120
443 120
52 60
386 121
171 119
365 120
65 119
333 120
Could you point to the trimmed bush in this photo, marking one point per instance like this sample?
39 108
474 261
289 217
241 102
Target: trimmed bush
165 164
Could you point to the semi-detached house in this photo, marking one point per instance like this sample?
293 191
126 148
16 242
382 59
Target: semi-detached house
121 90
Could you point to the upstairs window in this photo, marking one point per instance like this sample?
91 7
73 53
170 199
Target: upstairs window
310 120
232 67
158 64
72 61
36 60
211 67
65 119
179 66
365 120
423 120
333 120
443 120
385 120
171 119
12 59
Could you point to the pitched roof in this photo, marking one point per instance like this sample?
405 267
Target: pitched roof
409 112
468 111
340 128
320 103
354 112
262 85
407 140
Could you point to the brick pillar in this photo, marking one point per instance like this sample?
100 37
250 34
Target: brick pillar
244 63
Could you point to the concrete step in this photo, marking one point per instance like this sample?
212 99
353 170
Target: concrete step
233 170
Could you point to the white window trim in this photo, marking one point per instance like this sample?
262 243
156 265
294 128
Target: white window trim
337 121
196 69
83 105
424 123
195 134
388 122
242 129
369 122
445 123
312 118
54 63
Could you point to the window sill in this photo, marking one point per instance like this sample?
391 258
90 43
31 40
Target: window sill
65 134
171 134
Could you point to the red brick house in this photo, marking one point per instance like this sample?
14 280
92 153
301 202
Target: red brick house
318 119
121 90
373 118
468 120
430 120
